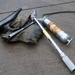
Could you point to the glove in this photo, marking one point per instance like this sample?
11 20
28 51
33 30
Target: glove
30 35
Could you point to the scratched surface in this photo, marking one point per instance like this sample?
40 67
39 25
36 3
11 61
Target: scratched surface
39 59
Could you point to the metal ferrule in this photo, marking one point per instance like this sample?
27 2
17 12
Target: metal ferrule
46 21
64 37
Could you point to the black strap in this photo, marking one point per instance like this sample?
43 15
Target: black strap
59 12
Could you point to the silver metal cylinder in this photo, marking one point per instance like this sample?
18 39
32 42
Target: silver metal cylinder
63 36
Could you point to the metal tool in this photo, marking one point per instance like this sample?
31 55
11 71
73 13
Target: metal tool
63 56
63 36
15 33
10 18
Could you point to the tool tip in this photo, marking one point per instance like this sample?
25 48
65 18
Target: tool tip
73 71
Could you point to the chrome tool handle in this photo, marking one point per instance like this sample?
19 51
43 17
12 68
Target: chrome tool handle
68 63
64 57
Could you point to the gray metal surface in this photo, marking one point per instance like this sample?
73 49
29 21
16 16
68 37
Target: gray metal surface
39 59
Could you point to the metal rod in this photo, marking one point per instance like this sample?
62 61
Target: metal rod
15 33
64 57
